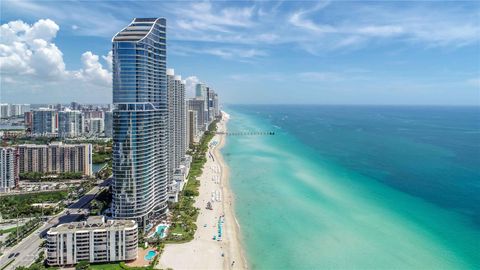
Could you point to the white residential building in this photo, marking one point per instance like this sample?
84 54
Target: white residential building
19 109
8 168
94 240
177 125
70 123
97 126
4 110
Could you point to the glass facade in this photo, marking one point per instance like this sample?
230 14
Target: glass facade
140 121
43 121
70 123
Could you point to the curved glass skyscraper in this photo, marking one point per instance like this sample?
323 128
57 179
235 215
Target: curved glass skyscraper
140 121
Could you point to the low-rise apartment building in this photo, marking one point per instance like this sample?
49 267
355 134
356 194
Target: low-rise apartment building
94 240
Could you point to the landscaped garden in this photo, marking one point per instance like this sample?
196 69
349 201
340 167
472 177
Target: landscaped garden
184 212
20 205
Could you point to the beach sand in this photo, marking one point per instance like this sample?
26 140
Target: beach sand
203 252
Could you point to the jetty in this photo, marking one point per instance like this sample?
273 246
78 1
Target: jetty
246 133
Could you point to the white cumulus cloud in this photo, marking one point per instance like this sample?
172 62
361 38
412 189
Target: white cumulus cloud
93 70
28 53
190 83
27 49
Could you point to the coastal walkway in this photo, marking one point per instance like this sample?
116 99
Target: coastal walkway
247 133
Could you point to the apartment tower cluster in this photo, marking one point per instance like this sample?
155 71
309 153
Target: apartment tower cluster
153 123
13 110
69 122
202 110
53 158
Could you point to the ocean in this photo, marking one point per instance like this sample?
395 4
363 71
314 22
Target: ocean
357 187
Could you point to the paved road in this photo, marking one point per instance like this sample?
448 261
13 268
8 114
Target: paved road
29 247
29 192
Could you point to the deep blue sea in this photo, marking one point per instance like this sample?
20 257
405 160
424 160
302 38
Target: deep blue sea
357 187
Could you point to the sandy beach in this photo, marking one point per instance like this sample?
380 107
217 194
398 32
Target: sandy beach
204 252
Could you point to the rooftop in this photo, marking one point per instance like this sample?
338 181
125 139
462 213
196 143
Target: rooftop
94 223
136 30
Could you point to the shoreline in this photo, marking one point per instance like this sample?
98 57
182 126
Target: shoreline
203 252
233 228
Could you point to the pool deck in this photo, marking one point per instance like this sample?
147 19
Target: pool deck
140 261
153 230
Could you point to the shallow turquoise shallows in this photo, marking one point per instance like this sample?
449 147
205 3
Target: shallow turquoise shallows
357 187
150 255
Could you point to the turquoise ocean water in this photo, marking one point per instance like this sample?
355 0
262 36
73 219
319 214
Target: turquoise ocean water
357 187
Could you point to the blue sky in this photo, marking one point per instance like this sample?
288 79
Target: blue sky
328 52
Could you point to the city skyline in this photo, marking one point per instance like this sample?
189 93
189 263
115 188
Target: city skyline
207 134
256 52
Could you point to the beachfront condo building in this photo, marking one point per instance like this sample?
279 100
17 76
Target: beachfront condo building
201 93
44 121
210 99
94 240
55 158
140 121
200 90
177 129
8 168
70 123
192 127
177 119
198 104
216 110
213 110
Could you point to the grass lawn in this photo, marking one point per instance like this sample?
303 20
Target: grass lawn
110 266
101 157
9 230
116 266
20 204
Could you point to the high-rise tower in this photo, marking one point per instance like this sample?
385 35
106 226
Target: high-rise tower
44 121
177 124
70 123
140 121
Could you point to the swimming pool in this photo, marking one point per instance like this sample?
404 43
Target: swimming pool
150 255
161 230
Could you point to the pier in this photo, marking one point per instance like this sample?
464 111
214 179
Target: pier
248 133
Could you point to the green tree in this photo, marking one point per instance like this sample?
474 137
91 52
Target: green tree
83 265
